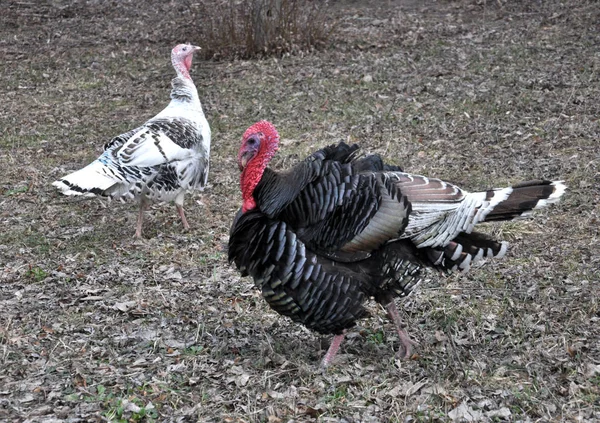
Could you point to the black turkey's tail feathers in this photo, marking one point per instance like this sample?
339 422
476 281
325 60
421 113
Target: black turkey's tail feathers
524 197
464 250
501 204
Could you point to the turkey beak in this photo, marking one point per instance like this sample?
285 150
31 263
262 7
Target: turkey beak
196 48
244 159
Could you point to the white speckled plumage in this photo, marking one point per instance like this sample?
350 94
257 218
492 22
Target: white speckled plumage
162 159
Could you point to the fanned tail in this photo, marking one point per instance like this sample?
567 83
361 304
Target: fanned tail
500 204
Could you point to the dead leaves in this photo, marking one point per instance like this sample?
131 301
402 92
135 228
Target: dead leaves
240 377
125 306
168 322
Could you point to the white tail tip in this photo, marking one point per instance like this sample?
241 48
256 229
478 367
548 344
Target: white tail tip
559 190
66 189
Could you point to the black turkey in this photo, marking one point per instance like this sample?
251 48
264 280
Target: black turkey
323 237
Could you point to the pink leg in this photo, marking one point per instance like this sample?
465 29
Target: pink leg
407 343
140 219
333 348
182 215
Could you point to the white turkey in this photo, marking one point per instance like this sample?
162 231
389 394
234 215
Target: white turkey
323 237
162 159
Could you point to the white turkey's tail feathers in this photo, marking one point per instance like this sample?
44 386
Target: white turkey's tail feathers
90 181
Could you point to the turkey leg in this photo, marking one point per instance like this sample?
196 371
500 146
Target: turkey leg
333 348
140 219
407 343
182 215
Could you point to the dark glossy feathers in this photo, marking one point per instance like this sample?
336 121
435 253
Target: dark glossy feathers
339 228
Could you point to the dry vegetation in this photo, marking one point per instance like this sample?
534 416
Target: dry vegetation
230 29
95 326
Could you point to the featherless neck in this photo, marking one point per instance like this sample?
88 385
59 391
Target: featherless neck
251 177
254 170
182 68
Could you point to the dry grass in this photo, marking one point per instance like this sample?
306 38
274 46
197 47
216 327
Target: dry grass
229 29
95 326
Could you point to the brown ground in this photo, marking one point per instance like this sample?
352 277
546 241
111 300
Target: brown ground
95 326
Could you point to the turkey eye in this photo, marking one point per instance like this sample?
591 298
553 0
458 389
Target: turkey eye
252 142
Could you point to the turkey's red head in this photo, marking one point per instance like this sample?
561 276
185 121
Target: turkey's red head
259 144
181 57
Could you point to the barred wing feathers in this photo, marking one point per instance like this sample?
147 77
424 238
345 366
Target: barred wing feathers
162 157
335 202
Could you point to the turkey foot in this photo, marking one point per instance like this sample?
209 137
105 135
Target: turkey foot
405 340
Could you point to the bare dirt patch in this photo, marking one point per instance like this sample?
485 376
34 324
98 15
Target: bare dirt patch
95 326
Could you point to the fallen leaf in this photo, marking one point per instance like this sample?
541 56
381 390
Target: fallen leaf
242 380
503 412
465 413
276 395
125 306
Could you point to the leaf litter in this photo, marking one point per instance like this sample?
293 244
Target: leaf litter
95 326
